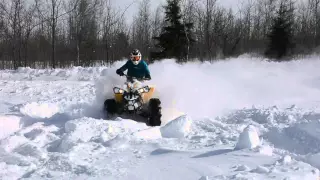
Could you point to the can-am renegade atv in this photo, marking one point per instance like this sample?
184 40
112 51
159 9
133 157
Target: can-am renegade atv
135 99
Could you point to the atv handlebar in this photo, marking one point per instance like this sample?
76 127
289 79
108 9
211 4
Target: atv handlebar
134 78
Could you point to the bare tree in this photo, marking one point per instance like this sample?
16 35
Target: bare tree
112 22
12 18
142 28
83 24
208 27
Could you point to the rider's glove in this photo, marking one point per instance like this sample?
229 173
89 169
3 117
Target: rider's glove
148 77
119 72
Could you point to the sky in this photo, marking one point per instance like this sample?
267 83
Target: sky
123 4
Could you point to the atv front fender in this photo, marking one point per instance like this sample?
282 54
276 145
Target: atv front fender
147 96
118 98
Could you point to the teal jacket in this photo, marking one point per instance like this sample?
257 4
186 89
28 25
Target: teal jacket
139 71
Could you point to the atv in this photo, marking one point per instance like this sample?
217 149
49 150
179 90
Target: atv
135 99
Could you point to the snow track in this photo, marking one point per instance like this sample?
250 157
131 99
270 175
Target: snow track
52 127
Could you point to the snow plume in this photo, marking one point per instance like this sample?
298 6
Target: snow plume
209 89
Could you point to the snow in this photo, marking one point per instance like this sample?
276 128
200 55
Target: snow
249 138
286 159
177 128
36 110
266 150
241 118
8 125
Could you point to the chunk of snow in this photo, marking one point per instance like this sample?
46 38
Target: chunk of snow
242 168
104 137
12 159
119 142
36 110
66 143
204 178
286 159
260 170
70 126
32 150
83 130
177 128
12 142
266 150
8 125
248 138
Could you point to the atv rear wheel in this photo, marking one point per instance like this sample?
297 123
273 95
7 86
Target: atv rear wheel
110 105
154 112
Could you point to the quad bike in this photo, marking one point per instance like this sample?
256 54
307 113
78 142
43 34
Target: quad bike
135 99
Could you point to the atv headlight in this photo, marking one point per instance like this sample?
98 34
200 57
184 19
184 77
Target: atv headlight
117 90
144 89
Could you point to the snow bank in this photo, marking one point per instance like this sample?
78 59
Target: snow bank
74 74
249 138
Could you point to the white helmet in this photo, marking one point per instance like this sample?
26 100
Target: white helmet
135 56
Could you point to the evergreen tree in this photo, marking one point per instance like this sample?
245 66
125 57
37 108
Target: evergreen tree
281 35
175 39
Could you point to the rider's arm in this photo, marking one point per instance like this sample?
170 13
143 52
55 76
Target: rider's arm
123 68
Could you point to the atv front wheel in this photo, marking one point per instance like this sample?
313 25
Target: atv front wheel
110 105
154 112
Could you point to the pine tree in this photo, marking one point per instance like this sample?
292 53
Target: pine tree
175 39
281 35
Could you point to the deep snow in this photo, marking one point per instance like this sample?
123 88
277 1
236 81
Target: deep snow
238 119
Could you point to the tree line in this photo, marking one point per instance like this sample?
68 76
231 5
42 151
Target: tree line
64 33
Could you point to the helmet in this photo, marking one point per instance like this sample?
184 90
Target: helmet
135 56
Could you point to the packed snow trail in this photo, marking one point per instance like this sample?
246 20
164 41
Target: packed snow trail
238 119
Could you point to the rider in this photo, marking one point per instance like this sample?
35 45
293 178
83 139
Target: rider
136 67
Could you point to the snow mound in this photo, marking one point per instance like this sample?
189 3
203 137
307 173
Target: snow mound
314 160
8 125
204 178
177 128
249 138
300 138
36 110
242 168
286 159
31 150
12 143
84 130
260 170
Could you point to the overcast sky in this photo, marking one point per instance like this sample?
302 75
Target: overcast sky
154 4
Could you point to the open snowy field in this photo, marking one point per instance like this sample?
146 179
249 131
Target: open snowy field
236 119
